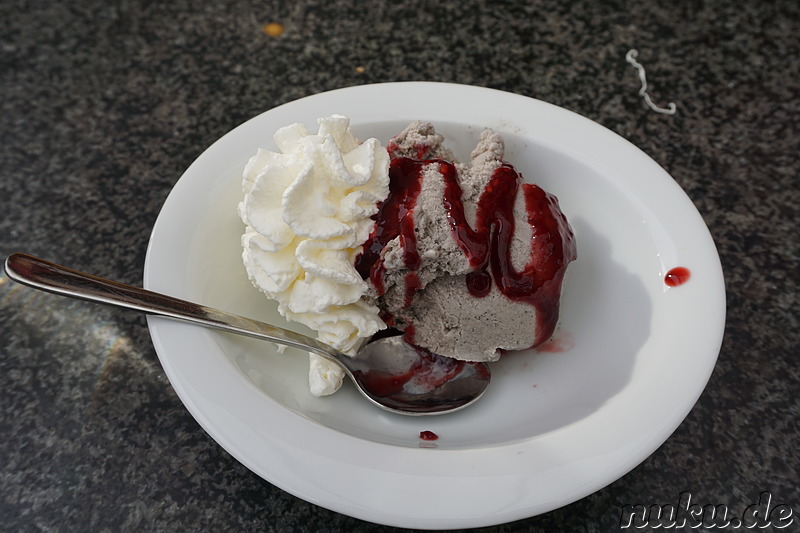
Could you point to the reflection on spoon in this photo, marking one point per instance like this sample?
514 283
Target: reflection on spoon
391 373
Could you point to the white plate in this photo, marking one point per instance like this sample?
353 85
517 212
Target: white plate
554 427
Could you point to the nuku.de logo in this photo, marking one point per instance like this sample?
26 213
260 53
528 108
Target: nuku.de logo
687 514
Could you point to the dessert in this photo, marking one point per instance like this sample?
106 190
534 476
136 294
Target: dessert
464 258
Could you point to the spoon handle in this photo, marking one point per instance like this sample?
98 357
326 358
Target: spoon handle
50 277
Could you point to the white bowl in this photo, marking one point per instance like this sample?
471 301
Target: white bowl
554 426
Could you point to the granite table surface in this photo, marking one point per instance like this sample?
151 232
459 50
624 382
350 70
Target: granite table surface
106 103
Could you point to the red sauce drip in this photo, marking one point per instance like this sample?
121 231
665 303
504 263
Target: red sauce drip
387 317
487 247
412 286
428 435
395 218
409 333
677 276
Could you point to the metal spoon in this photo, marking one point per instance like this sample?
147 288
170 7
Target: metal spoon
391 373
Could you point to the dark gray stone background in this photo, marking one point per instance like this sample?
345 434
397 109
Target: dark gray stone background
105 103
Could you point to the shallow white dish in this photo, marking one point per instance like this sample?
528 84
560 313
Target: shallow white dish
554 426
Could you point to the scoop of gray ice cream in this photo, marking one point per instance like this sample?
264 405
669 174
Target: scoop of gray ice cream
447 319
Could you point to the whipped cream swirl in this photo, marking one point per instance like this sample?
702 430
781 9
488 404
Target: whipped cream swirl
307 212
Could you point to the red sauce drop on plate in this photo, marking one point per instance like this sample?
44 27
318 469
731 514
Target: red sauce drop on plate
677 276
428 435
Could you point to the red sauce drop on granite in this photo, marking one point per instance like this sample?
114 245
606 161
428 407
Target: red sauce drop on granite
428 435
677 276
487 247
412 286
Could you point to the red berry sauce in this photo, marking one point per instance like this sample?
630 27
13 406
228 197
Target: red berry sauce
677 276
428 435
430 371
487 247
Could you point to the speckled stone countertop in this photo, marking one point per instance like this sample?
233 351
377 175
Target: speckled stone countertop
106 103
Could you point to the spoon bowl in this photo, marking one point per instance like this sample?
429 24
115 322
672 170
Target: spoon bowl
407 378
391 373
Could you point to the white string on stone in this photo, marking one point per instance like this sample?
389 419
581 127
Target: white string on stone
630 57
